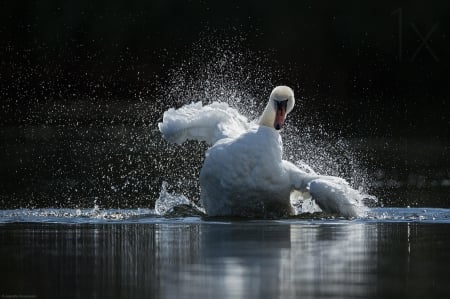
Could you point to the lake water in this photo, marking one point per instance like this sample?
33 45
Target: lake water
57 253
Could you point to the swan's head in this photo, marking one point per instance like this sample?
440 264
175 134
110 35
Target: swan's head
281 102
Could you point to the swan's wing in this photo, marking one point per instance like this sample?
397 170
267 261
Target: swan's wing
208 123
334 195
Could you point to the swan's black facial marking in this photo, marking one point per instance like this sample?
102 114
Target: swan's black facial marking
280 104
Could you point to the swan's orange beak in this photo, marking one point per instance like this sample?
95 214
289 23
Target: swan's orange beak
280 114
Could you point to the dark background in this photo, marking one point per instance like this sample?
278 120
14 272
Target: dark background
69 68
378 68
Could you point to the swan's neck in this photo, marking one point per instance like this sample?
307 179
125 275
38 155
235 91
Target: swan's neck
268 117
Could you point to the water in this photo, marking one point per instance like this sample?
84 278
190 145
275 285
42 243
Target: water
395 252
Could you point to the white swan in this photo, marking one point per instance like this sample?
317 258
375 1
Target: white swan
243 173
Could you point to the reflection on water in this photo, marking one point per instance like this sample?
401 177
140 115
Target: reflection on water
251 259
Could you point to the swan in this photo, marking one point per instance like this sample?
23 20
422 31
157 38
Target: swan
243 173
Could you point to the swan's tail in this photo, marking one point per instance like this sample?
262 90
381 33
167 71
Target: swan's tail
203 123
336 197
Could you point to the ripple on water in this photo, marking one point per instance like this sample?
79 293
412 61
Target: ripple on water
96 215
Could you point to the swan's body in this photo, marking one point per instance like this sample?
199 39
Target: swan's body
243 173
244 186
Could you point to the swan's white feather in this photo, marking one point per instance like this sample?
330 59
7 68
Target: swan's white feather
245 176
208 123
243 173
336 197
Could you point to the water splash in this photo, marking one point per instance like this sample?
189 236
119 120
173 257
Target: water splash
94 215
77 149
309 214
303 203
169 204
225 73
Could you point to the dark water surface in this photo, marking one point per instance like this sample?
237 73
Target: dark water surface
398 253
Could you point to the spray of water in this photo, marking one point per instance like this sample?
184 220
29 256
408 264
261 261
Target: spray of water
223 72
76 149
